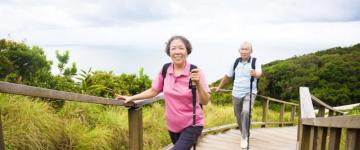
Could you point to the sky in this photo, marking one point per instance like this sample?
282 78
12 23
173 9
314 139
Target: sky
124 35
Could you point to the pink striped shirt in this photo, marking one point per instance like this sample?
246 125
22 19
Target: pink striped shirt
178 99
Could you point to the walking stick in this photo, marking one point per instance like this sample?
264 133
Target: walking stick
251 86
193 91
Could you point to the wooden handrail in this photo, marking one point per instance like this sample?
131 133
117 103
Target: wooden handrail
19 89
319 102
12 88
334 122
277 100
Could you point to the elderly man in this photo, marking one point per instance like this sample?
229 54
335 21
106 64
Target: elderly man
241 72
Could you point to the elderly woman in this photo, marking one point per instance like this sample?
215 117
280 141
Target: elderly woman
178 96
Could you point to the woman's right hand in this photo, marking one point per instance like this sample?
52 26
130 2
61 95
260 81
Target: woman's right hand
125 98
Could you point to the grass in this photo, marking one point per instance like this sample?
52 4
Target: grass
30 123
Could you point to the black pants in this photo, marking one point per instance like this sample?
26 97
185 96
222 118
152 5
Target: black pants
186 138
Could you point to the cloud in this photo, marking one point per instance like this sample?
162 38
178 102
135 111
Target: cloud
278 29
39 14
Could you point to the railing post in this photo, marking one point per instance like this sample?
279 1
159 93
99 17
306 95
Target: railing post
307 137
353 139
320 138
265 112
331 113
292 116
335 134
321 132
281 118
321 112
135 129
334 140
2 143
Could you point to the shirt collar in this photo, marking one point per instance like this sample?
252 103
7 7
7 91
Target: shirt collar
248 61
185 72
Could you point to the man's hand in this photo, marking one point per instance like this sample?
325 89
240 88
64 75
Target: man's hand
215 89
253 73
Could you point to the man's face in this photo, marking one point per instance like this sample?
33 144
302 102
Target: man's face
245 52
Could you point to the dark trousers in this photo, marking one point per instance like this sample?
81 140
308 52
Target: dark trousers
186 138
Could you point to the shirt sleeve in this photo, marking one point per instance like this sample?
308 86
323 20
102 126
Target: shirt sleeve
158 82
230 73
258 67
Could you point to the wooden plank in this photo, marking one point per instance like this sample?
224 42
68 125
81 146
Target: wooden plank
306 106
224 138
218 129
305 140
320 141
265 112
335 137
135 128
320 138
11 88
353 139
261 138
2 143
312 137
335 122
281 116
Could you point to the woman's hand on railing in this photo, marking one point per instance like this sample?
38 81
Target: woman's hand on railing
126 99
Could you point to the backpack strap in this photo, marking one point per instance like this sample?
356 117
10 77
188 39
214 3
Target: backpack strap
164 69
253 66
253 63
234 67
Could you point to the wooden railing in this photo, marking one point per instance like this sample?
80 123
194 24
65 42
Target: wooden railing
134 111
313 130
281 122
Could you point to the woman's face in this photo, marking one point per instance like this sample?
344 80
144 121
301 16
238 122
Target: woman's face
178 51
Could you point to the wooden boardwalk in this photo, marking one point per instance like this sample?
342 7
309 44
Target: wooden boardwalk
261 138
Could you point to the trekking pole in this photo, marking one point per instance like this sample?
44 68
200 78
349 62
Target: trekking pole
193 91
251 86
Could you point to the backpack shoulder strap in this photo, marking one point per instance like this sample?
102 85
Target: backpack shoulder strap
192 67
234 67
164 69
253 63
236 63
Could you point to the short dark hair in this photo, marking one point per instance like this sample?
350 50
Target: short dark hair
183 39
